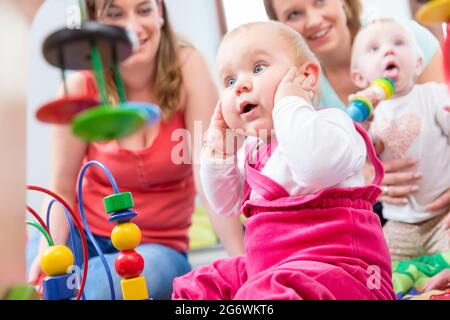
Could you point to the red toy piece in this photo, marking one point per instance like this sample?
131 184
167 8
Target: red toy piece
63 110
129 264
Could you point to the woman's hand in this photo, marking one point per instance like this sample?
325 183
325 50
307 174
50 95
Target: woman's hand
446 223
442 202
397 185
439 282
220 138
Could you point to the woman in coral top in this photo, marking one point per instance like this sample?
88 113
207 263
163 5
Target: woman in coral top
172 74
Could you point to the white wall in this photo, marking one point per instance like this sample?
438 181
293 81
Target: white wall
386 8
195 19
238 12
43 85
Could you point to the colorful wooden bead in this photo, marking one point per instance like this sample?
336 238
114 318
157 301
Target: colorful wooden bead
134 289
118 202
122 216
129 264
56 260
126 236
59 288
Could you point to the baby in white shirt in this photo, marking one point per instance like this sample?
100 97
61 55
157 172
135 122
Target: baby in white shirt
316 149
414 124
311 232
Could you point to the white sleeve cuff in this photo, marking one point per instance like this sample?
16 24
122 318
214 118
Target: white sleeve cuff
289 102
206 159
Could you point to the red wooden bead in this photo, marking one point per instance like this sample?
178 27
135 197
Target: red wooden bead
129 264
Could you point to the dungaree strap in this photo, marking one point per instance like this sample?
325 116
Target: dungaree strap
379 170
270 189
254 180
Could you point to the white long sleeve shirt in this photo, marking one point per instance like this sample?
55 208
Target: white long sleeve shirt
417 126
316 150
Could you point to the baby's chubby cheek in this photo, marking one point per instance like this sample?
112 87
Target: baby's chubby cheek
231 117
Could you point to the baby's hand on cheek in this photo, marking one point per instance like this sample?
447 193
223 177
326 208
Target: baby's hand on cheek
221 141
293 84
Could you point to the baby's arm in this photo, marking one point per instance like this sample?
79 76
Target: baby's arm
322 148
370 94
223 182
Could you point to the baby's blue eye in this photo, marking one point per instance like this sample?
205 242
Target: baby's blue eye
230 82
259 68
374 49
399 42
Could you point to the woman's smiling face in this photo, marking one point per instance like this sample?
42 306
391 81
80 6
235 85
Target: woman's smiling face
143 17
322 23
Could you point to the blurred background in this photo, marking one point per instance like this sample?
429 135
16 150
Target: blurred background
203 22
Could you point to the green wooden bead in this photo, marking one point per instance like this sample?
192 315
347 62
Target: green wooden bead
118 202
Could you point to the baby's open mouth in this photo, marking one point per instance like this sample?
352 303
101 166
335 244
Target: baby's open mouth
391 71
248 107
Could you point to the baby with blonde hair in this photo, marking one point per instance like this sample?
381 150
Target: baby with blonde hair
310 230
413 124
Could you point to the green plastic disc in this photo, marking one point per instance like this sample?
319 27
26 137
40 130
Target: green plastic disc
118 202
106 123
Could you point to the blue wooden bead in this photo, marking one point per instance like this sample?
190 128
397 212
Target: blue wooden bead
57 288
122 216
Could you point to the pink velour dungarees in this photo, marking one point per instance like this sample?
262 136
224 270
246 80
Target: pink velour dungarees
328 245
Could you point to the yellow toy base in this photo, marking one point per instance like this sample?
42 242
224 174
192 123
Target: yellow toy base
134 289
434 12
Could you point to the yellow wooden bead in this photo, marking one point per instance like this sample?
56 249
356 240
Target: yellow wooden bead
126 236
134 289
56 260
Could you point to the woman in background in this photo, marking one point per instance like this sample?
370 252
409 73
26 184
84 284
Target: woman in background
329 27
170 73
